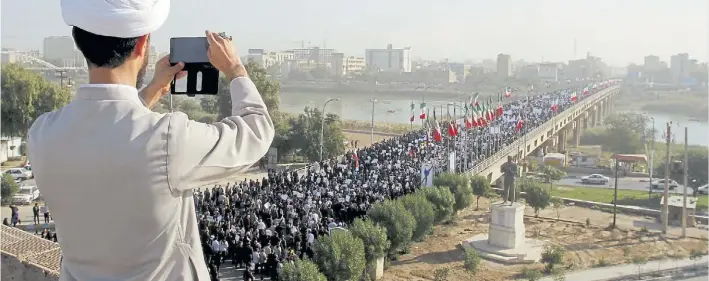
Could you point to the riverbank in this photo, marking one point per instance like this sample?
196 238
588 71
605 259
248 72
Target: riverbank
692 105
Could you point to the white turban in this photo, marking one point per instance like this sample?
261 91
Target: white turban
116 18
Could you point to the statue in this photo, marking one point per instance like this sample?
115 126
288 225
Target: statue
509 170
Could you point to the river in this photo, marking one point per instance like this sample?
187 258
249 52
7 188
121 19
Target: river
697 131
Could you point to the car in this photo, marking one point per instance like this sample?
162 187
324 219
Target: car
704 189
28 168
26 195
660 184
595 179
19 174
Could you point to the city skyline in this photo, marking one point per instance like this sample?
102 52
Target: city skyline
623 32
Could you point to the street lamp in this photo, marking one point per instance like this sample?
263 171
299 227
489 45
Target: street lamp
322 124
371 134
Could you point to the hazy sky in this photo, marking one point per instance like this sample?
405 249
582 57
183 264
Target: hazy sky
619 31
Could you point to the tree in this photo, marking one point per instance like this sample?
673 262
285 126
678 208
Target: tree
557 203
639 261
552 174
268 88
552 256
25 96
340 256
624 132
399 223
538 198
209 104
373 236
459 185
442 200
472 260
300 270
305 134
423 213
9 188
481 188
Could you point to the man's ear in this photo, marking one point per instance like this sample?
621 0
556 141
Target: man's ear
141 47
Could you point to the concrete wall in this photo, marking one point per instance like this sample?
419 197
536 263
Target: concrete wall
13 269
26 257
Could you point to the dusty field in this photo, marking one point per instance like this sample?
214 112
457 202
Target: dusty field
364 139
585 246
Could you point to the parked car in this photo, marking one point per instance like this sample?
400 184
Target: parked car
660 184
19 174
28 168
595 179
704 189
26 195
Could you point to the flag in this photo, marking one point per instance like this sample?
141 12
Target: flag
413 116
573 97
520 124
585 90
474 100
555 105
508 93
411 152
452 129
468 119
356 159
490 110
436 129
423 111
475 118
499 106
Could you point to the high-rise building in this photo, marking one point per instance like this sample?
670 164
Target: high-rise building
679 66
389 59
59 50
652 63
504 65
337 64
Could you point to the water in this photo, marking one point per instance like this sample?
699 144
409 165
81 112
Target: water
390 108
697 131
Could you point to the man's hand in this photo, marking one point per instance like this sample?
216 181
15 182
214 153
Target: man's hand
160 85
222 56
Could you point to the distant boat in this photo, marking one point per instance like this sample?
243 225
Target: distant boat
694 120
391 111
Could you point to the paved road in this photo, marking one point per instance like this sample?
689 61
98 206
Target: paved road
628 269
623 183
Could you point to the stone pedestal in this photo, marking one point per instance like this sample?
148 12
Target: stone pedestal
507 225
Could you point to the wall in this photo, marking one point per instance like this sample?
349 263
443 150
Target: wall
28 257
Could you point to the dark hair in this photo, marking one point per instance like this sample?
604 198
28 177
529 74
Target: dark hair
103 51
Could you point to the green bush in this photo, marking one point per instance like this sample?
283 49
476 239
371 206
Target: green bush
373 236
537 197
300 270
398 222
423 213
531 274
9 188
459 185
472 260
481 187
552 256
443 202
340 256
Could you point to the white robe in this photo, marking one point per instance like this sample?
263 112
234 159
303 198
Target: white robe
119 179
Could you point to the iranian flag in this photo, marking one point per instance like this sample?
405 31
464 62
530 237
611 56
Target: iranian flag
585 90
481 115
422 116
413 115
499 106
436 129
490 111
452 129
555 105
474 100
574 98
475 118
520 124
508 92
468 119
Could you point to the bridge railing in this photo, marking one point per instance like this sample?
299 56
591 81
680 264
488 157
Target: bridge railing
479 167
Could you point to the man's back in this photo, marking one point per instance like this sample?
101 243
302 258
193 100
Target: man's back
101 162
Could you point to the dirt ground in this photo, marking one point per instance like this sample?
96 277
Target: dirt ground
585 246
364 139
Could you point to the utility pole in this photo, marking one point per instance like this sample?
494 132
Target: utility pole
665 192
684 189
615 190
652 158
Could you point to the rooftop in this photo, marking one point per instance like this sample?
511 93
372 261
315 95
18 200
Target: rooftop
30 249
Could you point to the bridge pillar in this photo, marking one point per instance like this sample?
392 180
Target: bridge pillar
594 121
577 131
601 112
562 140
584 120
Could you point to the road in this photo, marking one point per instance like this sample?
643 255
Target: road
629 269
623 183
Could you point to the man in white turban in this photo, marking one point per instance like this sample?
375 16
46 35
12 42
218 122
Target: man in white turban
119 177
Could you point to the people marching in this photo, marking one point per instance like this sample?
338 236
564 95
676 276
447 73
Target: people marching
258 225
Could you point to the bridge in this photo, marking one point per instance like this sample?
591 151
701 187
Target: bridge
34 63
31 258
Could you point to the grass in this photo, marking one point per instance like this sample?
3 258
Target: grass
625 197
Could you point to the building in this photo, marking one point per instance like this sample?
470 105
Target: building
679 67
9 147
504 66
59 50
317 55
389 59
578 69
337 65
530 72
652 63
549 72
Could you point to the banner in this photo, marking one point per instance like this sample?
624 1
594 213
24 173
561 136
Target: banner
451 162
427 174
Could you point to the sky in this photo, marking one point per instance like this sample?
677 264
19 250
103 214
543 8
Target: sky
619 31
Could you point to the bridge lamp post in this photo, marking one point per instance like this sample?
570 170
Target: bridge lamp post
322 124
371 127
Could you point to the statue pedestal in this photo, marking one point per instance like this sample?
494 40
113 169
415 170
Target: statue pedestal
507 225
